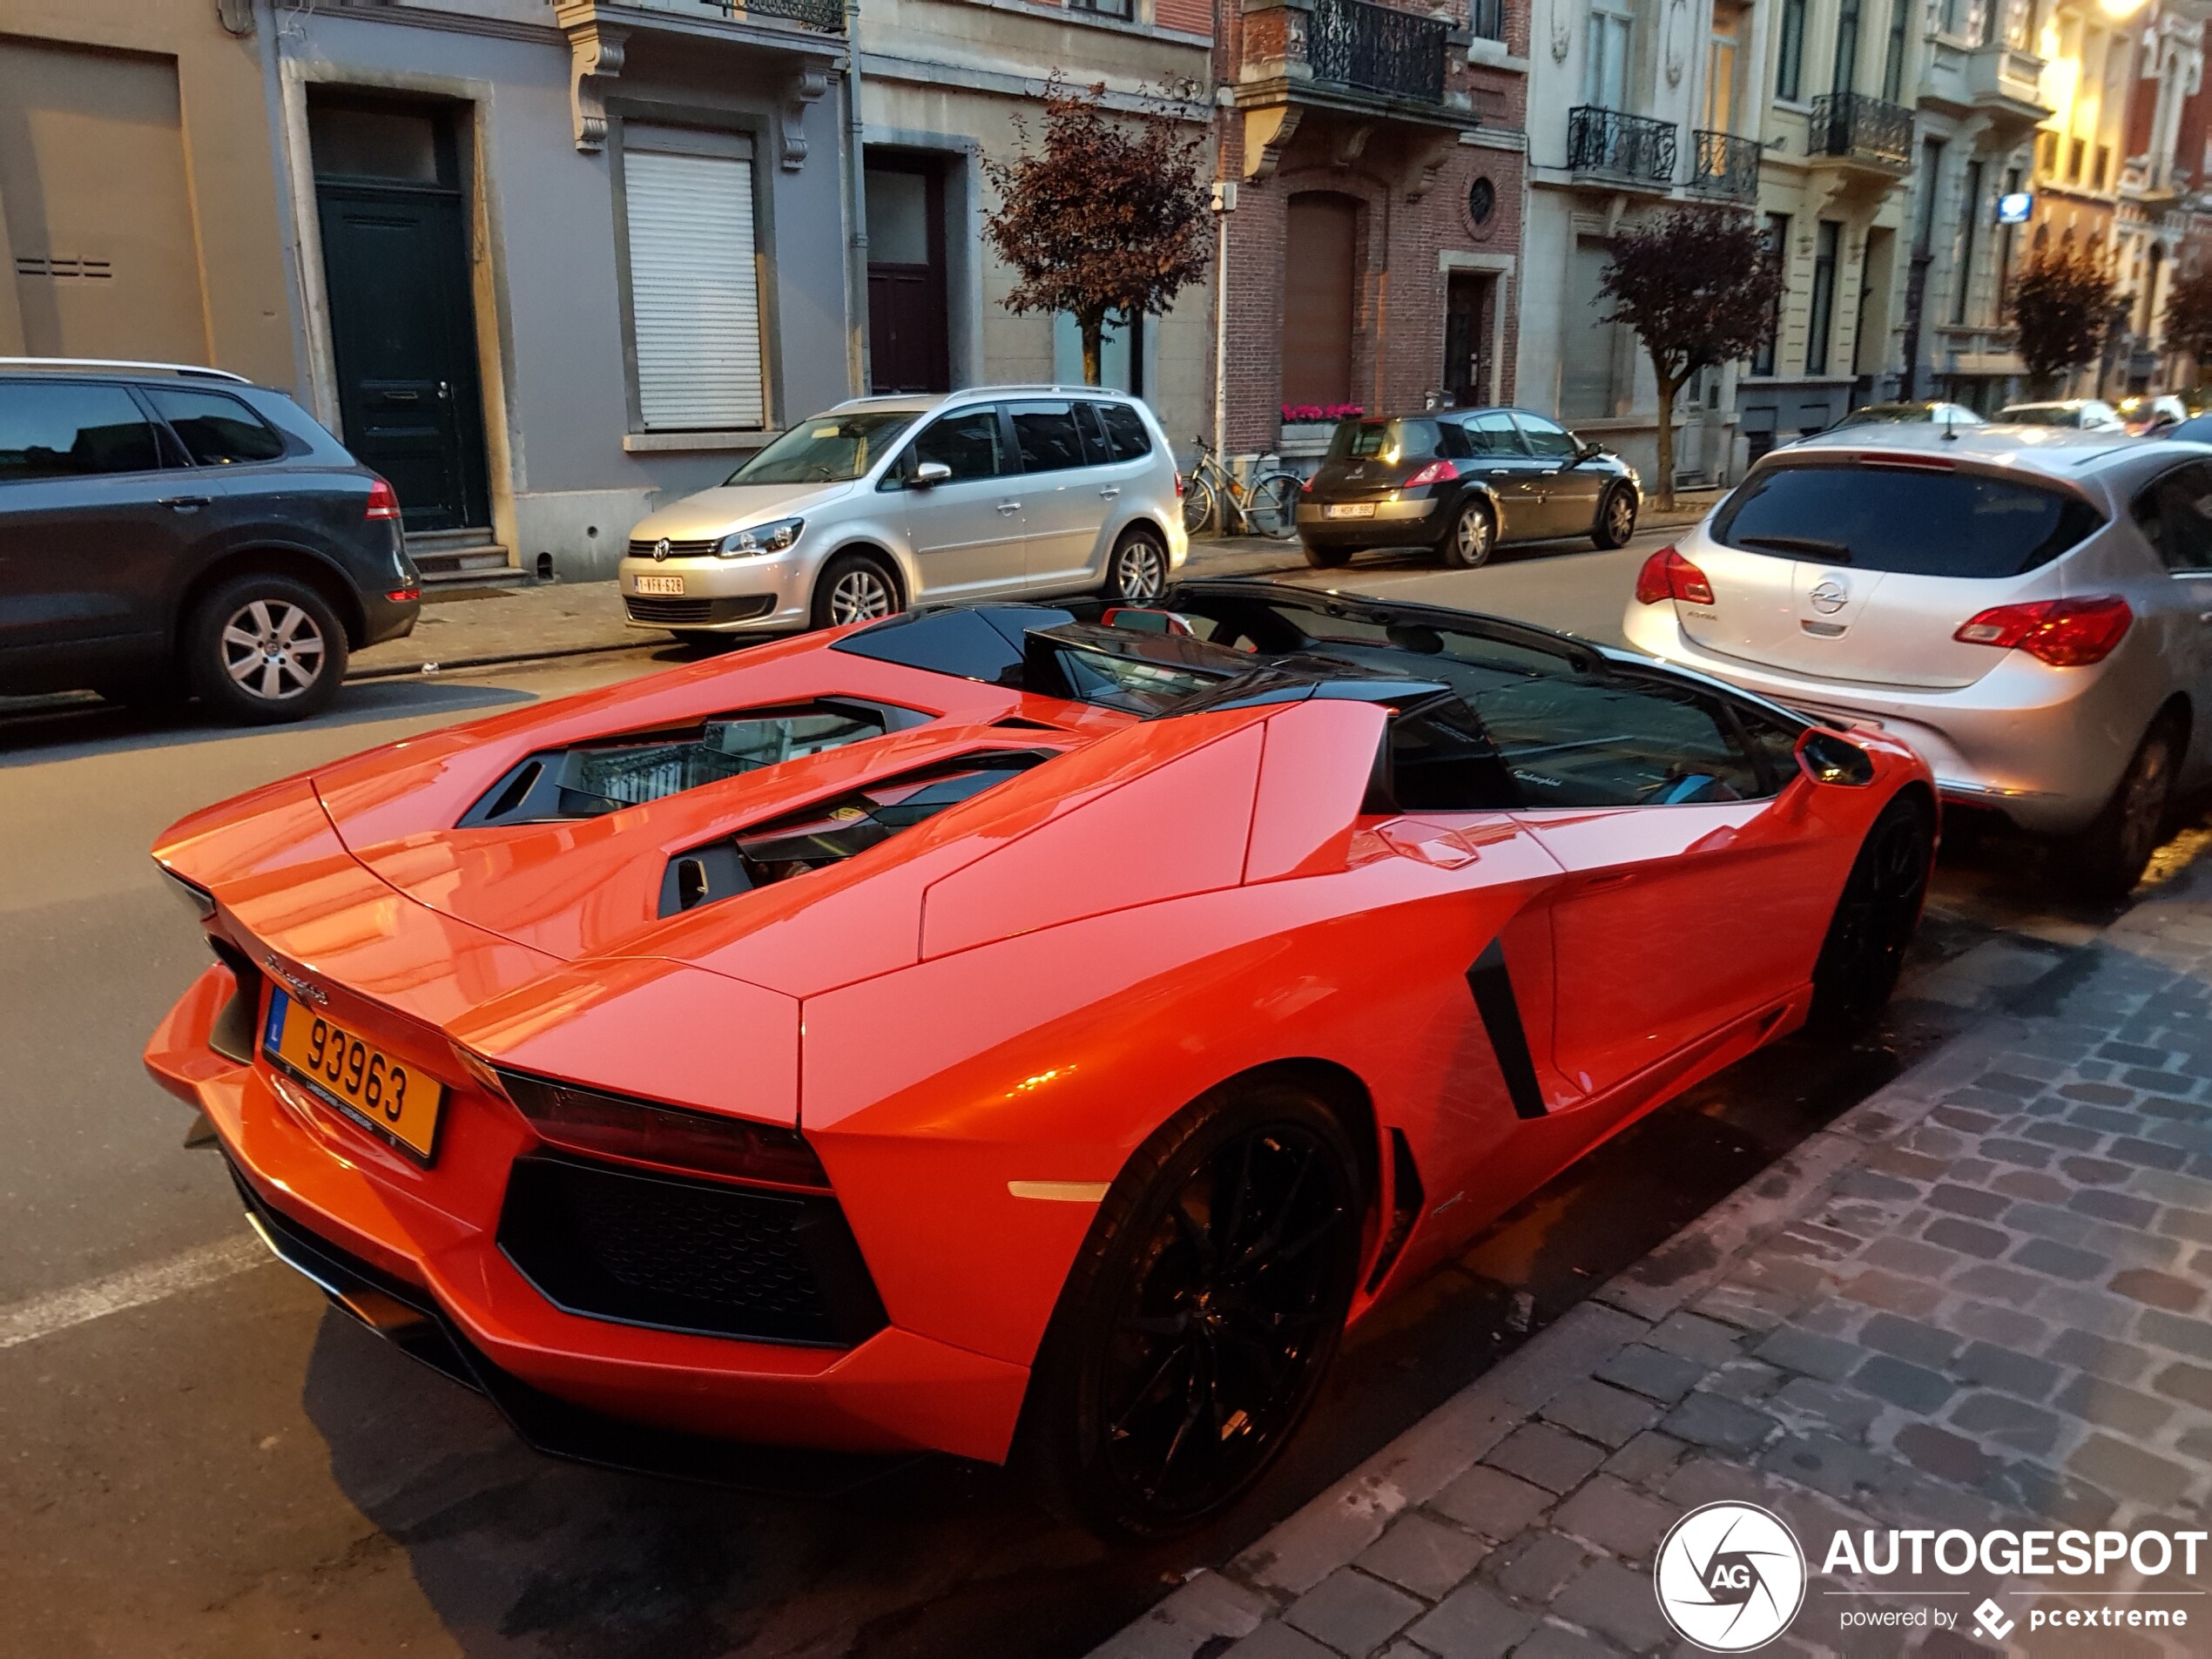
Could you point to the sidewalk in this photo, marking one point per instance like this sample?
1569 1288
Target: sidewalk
473 626
1975 1300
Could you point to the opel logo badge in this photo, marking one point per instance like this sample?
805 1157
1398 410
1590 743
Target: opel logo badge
1829 596
660 550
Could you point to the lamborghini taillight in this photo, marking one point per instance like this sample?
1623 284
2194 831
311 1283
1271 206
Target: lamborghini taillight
669 1137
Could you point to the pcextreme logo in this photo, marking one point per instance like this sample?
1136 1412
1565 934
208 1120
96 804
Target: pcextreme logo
1730 1577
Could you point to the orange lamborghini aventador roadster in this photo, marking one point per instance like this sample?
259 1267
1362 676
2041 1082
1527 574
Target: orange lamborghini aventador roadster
1007 1029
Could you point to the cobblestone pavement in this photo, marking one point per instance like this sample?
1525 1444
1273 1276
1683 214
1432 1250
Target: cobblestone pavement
1976 1300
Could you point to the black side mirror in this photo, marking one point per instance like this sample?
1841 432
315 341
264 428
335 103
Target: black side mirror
1828 758
1587 452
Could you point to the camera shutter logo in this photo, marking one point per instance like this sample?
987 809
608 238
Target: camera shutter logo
1730 1577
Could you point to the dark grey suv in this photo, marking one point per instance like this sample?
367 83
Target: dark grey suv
171 532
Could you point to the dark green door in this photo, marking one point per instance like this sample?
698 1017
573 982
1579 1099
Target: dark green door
395 267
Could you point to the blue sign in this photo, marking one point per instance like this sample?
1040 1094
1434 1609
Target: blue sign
2014 206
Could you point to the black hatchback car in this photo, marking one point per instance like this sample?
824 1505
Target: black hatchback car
167 531
1463 481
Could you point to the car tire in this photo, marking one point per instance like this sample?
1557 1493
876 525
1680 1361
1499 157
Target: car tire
1616 518
1876 916
854 587
1137 571
264 649
1106 1428
1473 537
1327 558
2109 857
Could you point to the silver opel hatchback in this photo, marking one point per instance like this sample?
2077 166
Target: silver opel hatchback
2029 607
883 502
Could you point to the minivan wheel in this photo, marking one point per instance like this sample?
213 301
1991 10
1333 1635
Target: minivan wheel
1137 574
263 648
1474 536
854 587
1195 1325
1616 518
2111 855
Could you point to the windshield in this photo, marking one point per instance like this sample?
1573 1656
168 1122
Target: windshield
2041 414
828 449
1908 520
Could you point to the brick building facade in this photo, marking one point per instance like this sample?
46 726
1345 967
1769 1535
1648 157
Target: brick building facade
1373 156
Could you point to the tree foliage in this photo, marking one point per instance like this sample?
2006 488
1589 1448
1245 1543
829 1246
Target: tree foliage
1701 287
1108 215
2063 305
2189 315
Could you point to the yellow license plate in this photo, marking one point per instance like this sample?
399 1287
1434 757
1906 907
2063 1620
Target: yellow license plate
660 584
369 1085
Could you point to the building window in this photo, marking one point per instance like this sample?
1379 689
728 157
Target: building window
2005 246
1893 55
2046 154
1606 81
1778 243
1823 314
1846 75
1590 381
1973 217
1486 18
1789 69
1720 67
2103 167
1104 8
2073 161
694 280
1925 209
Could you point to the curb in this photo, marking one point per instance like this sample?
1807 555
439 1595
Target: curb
417 671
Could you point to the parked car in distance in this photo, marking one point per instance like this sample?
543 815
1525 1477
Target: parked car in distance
1463 483
1898 414
2029 610
2150 416
167 531
2089 414
2197 429
996 492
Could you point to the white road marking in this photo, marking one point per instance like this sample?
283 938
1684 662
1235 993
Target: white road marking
95 1298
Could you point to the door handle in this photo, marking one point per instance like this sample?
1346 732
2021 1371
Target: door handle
2204 615
445 392
186 503
1112 492
1010 507
402 397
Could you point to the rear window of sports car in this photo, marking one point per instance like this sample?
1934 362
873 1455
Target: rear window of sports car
1910 521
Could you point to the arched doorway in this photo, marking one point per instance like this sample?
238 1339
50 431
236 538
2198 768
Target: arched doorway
1320 241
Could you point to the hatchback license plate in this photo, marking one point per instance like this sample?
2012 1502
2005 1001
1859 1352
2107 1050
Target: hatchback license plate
660 584
1349 509
369 1085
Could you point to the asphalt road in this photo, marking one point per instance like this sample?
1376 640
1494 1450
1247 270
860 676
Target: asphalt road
201 1458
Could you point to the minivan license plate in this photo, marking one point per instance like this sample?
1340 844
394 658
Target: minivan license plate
660 584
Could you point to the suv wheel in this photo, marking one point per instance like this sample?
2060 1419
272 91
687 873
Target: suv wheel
1137 574
262 648
854 587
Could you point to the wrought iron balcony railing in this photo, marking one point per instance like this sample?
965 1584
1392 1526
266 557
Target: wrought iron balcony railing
827 16
1632 148
1377 49
1725 166
1861 128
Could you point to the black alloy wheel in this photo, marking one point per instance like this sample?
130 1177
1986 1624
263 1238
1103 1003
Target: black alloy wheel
2111 855
1196 1325
1327 558
1616 518
1875 920
1472 537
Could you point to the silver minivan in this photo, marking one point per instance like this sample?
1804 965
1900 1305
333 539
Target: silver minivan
883 502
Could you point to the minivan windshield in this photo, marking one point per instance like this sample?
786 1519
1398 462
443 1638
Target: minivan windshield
828 449
1912 521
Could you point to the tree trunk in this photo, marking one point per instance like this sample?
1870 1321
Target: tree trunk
1092 325
1667 390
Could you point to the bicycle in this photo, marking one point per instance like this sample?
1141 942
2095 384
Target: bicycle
1268 506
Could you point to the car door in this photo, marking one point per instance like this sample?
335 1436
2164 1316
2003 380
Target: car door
967 530
1062 507
1119 455
252 495
2175 514
92 526
1694 892
1570 491
1498 457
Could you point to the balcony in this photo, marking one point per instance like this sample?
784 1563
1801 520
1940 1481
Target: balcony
1377 49
825 17
1607 146
1854 128
796 38
2005 84
1725 166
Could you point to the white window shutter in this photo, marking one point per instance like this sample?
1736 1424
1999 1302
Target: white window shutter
694 291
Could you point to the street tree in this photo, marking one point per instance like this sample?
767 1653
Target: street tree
1108 215
2063 307
1701 287
2188 317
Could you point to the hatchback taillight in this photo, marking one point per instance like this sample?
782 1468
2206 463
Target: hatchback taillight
1178 486
2065 633
1437 472
1666 575
382 503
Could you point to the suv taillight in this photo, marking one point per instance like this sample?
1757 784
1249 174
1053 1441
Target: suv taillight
1666 575
382 503
2065 633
